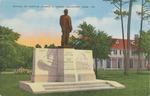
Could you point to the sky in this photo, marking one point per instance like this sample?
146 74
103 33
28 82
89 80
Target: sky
38 20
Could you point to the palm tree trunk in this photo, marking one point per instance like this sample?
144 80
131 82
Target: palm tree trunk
126 71
139 48
122 27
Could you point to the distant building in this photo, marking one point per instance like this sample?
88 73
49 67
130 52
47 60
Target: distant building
116 60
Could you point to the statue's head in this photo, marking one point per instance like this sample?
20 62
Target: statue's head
66 11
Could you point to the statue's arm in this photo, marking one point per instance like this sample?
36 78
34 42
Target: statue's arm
70 24
60 21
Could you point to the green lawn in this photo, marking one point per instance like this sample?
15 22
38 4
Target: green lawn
136 85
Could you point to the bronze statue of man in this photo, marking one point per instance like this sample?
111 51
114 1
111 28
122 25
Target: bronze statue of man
66 27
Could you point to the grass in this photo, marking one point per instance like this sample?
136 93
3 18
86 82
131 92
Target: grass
136 85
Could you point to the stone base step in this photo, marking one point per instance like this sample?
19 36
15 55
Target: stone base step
50 87
78 89
76 86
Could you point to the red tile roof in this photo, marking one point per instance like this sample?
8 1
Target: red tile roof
118 43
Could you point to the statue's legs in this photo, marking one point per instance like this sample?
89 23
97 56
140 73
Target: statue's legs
67 39
64 38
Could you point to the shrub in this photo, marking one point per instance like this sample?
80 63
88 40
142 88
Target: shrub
22 70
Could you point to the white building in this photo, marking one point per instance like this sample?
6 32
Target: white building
116 61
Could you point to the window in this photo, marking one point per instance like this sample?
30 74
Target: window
145 63
119 62
132 52
101 63
114 51
120 52
131 63
108 65
141 63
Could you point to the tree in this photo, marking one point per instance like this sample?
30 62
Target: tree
120 15
91 39
10 57
38 46
45 46
126 72
8 52
25 56
145 44
144 15
51 46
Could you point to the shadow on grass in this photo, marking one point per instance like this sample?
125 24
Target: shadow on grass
110 75
144 73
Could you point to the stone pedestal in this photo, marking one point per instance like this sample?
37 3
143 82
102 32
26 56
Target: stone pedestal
64 69
44 65
63 65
